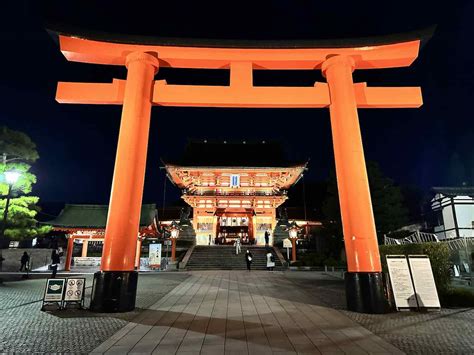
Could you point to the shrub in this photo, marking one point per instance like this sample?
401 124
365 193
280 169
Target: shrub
312 259
457 297
437 252
330 262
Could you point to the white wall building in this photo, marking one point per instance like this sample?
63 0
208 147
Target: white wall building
454 208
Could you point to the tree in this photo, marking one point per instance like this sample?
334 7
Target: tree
17 152
387 202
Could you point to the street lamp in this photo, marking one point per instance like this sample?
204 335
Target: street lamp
293 230
11 177
174 234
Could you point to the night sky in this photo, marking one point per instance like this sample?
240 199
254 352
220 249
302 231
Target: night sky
424 147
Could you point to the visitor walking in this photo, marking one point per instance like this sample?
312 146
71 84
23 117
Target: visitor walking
237 246
248 259
25 261
55 261
270 261
267 238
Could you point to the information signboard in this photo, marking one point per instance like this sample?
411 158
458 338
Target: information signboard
53 292
154 255
287 243
423 281
400 280
87 261
74 290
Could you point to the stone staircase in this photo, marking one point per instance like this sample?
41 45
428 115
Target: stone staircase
223 258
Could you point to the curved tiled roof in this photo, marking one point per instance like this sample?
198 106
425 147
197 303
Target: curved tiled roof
207 153
84 33
94 216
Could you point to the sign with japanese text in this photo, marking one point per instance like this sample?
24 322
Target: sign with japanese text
400 280
287 243
423 281
154 255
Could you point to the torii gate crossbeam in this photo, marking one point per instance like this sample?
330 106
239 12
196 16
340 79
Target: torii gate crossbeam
116 282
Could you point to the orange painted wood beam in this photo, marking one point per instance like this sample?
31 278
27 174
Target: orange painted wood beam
367 57
91 93
228 96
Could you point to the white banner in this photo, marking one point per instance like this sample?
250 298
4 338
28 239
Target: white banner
86 261
154 255
400 279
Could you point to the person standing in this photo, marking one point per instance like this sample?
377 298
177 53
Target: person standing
248 259
210 239
55 261
270 261
237 246
267 238
25 261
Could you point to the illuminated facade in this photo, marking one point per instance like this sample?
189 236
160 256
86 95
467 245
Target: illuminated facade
231 199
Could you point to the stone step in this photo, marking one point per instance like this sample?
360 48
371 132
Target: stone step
224 258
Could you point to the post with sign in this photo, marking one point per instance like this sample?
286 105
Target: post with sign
287 245
53 293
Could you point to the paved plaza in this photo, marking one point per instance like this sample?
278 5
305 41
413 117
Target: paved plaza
217 312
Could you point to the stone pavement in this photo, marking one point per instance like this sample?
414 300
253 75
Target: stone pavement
237 312
450 331
228 311
24 328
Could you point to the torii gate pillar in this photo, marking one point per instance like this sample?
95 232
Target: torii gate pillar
364 285
116 284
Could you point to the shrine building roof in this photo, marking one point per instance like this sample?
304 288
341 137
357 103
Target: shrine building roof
234 154
94 216
453 191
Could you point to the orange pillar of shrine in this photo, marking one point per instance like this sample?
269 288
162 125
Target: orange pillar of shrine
138 253
364 285
293 249
70 246
116 283
173 249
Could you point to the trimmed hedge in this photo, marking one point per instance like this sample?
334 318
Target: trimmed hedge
316 259
437 252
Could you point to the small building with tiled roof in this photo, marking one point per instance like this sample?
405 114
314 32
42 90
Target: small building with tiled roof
86 223
454 210
84 217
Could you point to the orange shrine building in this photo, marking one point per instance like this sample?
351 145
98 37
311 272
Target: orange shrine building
234 188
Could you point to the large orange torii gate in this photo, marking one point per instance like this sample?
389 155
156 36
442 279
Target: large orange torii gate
115 284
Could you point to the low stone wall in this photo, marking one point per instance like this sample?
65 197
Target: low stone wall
38 258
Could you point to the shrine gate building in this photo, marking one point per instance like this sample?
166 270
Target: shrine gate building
234 188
